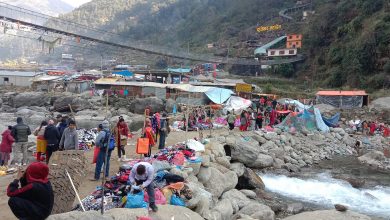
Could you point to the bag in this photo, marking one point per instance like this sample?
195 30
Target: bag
95 154
175 200
108 140
123 137
136 200
159 197
142 146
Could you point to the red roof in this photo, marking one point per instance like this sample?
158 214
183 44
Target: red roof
342 93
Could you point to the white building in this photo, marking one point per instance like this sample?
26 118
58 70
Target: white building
16 78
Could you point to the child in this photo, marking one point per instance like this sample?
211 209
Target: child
6 146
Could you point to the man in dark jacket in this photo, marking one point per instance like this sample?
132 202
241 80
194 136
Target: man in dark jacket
34 200
20 132
52 136
61 126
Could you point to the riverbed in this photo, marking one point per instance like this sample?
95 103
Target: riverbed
321 187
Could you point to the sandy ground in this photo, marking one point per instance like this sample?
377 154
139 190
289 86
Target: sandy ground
88 186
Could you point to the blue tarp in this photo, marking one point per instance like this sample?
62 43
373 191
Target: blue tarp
124 73
219 95
332 121
179 70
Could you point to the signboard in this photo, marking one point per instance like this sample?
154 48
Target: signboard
242 87
269 28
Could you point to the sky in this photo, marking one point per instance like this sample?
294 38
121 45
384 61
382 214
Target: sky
76 3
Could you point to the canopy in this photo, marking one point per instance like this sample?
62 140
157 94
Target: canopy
237 104
179 70
219 95
125 73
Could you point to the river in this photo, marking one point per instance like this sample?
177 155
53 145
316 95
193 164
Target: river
318 187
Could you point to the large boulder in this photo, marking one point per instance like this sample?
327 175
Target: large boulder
328 214
31 99
248 152
217 182
138 105
250 180
224 207
61 104
372 158
258 211
238 168
236 197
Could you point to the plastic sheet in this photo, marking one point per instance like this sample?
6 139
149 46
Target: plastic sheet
195 145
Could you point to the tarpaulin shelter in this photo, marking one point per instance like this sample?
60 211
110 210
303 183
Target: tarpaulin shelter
237 104
125 73
343 99
318 118
332 121
219 95
304 120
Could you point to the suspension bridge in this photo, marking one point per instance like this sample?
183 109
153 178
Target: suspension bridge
45 25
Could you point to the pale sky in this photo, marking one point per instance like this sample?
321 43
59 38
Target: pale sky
76 3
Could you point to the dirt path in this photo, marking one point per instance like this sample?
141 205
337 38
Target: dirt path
88 186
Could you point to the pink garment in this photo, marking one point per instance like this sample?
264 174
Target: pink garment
272 117
178 159
159 197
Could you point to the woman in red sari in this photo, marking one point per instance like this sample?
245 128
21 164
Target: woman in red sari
272 117
148 133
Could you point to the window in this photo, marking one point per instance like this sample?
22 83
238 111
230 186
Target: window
272 52
6 79
290 37
291 52
281 52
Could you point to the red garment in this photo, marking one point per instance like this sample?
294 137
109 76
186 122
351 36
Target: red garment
123 129
37 172
372 128
150 135
386 132
262 100
272 117
7 141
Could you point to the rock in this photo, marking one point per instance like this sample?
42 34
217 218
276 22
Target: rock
382 103
62 103
216 148
262 161
219 167
88 122
238 168
291 167
175 212
250 180
237 197
258 211
356 183
328 214
260 139
249 193
295 208
205 160
225 208
139 105
372 158
223 161
278 163
136 122
340 208
88 215
31 99
217 182
270 136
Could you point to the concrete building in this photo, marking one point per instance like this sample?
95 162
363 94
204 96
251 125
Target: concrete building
16 78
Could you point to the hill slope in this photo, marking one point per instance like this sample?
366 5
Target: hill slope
49 7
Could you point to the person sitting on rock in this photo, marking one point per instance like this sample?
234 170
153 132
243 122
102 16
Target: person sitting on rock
70 138
142 175
35 199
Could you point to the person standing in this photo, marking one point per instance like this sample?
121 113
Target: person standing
142 174
34 199
259 121
274 103
121 134
231 119
20 132
61 126
6 146
243 121
148 133
70 139
52 136
164 130
41 141
102 142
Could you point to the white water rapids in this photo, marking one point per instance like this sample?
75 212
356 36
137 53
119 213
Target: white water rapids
325 191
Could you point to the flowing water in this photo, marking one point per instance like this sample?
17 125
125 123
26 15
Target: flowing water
318 187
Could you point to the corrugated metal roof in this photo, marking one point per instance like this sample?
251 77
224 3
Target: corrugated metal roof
45 78
342 93
17 73
106 80
263 49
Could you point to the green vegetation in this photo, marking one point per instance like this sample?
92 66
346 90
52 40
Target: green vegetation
347 42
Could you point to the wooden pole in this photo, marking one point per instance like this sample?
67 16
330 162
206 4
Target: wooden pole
75 191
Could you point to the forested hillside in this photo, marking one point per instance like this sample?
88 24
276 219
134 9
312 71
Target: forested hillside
347 43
